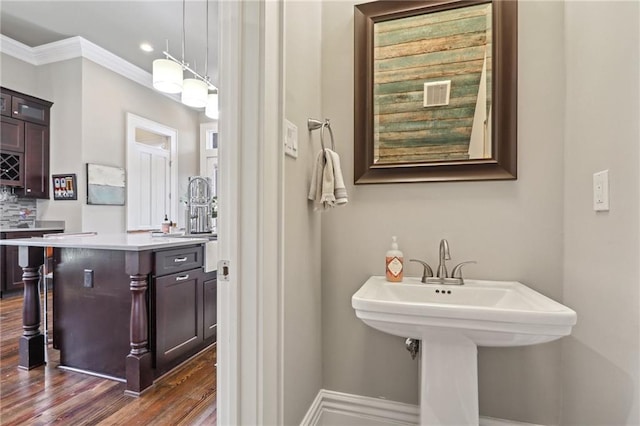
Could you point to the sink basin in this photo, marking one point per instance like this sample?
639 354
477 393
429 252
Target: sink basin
490 313
452 321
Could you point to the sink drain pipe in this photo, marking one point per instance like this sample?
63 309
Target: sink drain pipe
413 346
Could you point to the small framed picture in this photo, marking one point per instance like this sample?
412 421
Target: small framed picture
65 187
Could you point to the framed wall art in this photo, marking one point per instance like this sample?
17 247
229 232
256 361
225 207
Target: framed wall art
105 185
65 186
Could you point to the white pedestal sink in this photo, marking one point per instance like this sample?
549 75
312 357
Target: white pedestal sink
452 321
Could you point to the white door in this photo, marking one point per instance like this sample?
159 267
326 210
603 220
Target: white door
209 153
149 181
151 174
250 385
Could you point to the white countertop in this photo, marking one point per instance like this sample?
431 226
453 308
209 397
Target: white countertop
39 229
122 241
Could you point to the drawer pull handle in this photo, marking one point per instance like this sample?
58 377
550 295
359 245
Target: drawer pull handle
182 277
180 259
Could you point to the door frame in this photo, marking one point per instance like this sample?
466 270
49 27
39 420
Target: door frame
137 122
249 350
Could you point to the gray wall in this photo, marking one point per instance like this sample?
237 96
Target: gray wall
600 359
513 229
88 125
302 290
107 97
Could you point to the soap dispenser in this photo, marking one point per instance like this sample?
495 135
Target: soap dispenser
166 225
394 263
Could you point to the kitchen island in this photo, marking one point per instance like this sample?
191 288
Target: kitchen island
128 307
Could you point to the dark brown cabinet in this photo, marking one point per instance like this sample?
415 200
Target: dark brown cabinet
210 298
5 104
178 315
12 134
184 305
24 144
11 272
36 161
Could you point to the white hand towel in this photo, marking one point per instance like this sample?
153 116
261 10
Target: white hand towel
339 190
327 184
328 198
315 190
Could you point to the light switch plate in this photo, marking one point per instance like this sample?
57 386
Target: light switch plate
601 191
290 139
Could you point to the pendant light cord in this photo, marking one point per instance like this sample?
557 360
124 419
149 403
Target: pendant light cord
183 31
206 55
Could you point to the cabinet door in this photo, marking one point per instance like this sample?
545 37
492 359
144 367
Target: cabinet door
30 110
5 104
12 135
11 277
210 299
178 311
12 280
36 161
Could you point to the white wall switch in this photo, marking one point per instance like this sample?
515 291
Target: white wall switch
290 139
601 191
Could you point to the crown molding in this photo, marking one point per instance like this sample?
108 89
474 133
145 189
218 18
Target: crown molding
16 49
77 47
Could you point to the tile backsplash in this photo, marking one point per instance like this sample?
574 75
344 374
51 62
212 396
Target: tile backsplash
13 213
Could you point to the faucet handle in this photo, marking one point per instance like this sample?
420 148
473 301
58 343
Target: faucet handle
456 272
426 271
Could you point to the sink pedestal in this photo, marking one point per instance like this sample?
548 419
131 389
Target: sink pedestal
448 379
451 322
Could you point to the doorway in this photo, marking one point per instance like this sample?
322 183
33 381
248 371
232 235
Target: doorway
152 173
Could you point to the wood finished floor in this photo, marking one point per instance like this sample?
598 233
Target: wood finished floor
47 395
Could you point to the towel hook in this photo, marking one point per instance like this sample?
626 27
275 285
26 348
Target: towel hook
313 124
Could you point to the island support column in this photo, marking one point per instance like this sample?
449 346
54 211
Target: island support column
31 344
139 372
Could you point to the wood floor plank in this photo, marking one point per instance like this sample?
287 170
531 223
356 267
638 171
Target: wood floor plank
48 395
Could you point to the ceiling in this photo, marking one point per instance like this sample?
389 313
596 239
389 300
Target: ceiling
119 27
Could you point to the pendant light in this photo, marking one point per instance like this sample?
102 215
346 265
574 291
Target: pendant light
194 92
167 75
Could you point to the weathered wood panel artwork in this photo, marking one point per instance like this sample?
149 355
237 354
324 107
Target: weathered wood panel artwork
450 45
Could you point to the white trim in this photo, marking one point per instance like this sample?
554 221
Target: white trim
77 47
375 410
137 122
365 407
16 49
249 387
229 133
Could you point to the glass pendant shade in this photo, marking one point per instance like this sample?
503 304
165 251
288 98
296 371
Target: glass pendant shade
194 93
167 76
211 110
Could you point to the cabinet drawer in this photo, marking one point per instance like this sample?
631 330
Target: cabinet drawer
177 260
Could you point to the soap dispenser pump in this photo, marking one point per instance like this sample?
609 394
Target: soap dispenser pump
394 263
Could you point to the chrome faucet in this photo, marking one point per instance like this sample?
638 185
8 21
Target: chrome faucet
444 256
442 275
198 210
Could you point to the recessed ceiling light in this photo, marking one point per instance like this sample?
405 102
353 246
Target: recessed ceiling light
146 47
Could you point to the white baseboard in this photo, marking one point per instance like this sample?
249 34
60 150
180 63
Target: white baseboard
331 408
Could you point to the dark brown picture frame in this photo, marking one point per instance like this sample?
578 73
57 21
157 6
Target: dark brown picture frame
68 191
503 163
